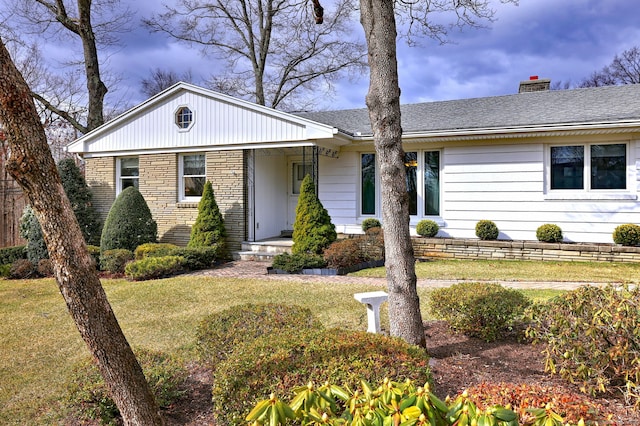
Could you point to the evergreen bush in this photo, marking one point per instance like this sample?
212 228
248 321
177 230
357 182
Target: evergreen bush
94 252
312 230
151 268
294 263
427 228
31 231
478 309
194 258
129 223
549 233
9 255
370 223
220 333
115 260
209 230
276 362
627 235
81 199
486 230
153 250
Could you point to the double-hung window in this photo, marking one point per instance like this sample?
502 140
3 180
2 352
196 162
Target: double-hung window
127 173
192 172
422 176
588 167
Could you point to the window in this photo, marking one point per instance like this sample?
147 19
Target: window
422 175
184 117
298 174
127 173
591 167
368 184
192 176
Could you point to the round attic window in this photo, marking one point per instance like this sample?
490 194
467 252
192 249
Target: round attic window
184 117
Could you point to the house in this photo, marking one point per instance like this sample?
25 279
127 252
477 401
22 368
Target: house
569 157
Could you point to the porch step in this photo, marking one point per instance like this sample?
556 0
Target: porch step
264 250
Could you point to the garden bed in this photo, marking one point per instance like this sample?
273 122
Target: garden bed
330 271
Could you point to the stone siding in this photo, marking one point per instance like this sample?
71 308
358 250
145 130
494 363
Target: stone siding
451 248
100 174
158 184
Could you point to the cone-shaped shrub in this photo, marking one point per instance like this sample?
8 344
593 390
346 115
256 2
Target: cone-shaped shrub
209 230
129 223
31 231
81 200
312 230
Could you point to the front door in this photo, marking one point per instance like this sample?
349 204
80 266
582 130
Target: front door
297 171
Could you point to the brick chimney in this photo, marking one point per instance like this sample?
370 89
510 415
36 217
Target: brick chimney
534 85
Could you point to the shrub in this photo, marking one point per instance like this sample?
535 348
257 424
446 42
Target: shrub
549 233
369 223
293 263
627 234
591 337
5 270
81 200
312 229
153 267
277 362
344 253
486 230
31 231
525 397
129 223
9 255
209 230
22 269
427 228
153 250
220 333
477 309
89 398
372 244
115 260
194 258
94 252
45 268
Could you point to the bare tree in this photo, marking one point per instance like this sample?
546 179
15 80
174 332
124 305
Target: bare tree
624 69
72 22
378 18
275 54
160 79
32 166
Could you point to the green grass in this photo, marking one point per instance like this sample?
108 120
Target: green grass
40 343
508 270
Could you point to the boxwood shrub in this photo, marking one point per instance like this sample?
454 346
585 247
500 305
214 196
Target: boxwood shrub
153 250
369 223
478 309
427 228
549 233
278 362
218 334
627 234
487 230
9 255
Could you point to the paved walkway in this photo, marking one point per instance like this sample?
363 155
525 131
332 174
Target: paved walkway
254 269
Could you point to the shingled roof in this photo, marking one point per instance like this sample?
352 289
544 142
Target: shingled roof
608 104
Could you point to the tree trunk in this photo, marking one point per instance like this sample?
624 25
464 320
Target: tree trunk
32 166
383 102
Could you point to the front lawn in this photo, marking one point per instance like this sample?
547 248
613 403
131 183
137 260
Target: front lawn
509 270
40 343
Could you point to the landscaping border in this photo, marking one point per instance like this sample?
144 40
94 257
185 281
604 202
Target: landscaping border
330 271
454 248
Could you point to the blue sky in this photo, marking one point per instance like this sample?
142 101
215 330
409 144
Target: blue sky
562 40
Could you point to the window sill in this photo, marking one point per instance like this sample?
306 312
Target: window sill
589 196
187 204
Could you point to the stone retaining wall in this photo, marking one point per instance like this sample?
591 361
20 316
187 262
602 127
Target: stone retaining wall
451 248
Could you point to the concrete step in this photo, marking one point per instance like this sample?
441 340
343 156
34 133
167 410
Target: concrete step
256 256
